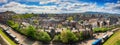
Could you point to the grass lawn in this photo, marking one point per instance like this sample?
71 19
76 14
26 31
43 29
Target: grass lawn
114 39
118 42
7 38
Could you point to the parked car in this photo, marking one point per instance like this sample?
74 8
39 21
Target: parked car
97 42
17 40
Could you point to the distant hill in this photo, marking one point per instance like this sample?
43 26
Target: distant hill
99 13
89 12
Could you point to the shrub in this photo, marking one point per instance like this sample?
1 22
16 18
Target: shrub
103 29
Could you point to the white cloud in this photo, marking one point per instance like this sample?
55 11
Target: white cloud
47 1
3 1
62 7
115 7
3 9
13 4
56 1
32 0
22 8
118 1
28 0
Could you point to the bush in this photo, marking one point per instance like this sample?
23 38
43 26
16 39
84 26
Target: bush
68 37
103 29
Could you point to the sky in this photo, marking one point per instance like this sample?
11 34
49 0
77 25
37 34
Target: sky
60 6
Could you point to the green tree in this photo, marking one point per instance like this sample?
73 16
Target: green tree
15 26
67 36
80 35
56 38
10 22
31 31
70 18
103 29
43 36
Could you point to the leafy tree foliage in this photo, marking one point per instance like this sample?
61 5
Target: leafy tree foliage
43 36
103 29
67 36
10 22
56 38
70 18
80 35
13 25
22 16
31 31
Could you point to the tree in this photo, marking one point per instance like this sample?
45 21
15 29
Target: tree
103 29
16 17
59 25
80 35
56 38
10 22
31 31
43 36
15 26
70 18
51 15
68 37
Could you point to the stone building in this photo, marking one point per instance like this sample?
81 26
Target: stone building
6 16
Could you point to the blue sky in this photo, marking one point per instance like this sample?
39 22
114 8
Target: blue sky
60 6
